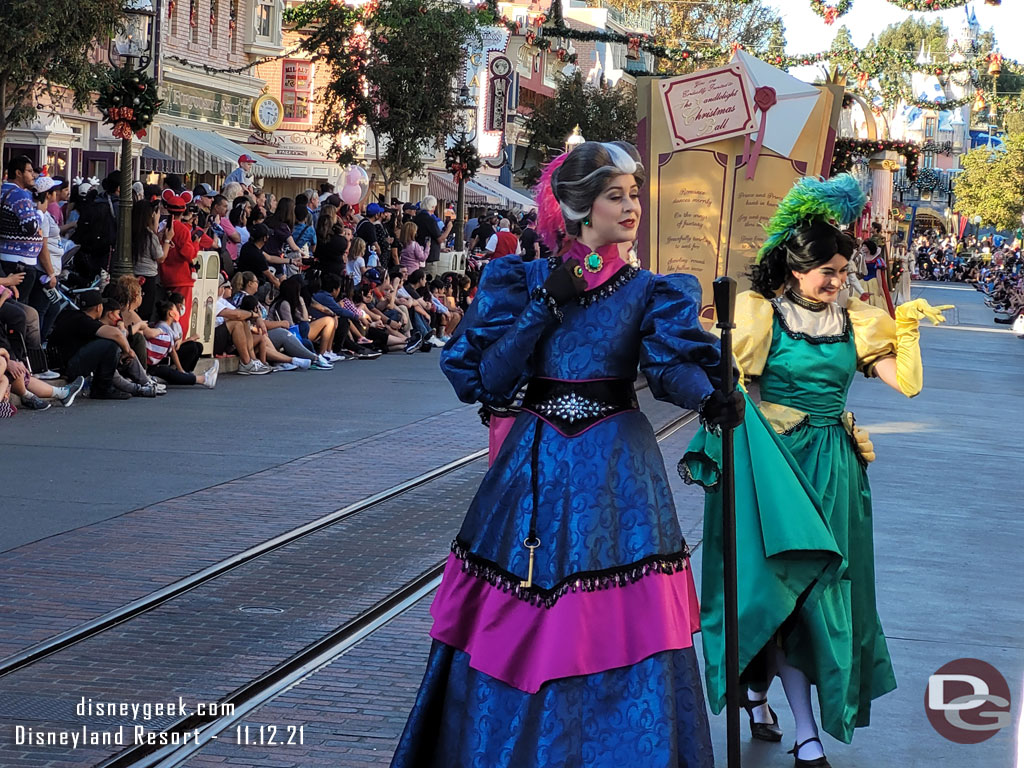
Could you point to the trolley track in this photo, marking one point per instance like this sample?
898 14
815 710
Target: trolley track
297 668
134 608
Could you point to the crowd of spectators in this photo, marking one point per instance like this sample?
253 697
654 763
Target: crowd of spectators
306 282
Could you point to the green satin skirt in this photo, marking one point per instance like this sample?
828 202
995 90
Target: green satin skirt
804 550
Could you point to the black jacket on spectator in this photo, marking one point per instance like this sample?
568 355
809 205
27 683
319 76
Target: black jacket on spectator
331 254
251 259
72 330
427 233
96 233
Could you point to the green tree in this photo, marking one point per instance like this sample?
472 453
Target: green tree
753 24
50 51
390 68
603 114
991 184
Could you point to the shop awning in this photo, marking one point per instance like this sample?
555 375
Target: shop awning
154 161
511 197
444 188
492 199
208 152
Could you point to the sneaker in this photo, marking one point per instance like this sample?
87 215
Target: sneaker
322 359
74 388
285 367
210 376
145 390
301 363
247 369
34 404
161 389
331 357
7 410
110 394
435 341
415 342
367 354
261 368
47 375
319 365
445 339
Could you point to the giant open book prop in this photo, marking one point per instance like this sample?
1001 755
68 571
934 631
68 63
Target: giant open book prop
722 147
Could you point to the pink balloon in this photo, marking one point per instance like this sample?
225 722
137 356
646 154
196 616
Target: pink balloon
351 194
353 176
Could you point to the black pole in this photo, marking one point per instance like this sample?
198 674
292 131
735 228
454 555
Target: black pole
725 300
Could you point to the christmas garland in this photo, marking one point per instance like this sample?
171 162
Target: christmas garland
462 160
927 178
128 101
831 12
848 150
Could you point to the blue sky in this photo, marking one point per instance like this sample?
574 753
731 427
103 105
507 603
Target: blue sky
806 32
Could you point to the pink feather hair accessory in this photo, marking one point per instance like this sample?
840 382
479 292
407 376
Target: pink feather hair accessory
550 222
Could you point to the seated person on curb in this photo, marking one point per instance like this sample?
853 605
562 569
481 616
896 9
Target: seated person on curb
130 376
15 377
162 351
297 355
24 320
419 309
378 325
233 328
291 308
328 300
81 345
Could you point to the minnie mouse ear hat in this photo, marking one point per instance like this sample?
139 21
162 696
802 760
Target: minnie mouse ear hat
176 203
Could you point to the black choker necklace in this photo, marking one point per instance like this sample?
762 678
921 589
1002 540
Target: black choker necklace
800 301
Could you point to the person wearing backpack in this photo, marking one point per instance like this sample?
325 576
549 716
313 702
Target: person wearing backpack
97 228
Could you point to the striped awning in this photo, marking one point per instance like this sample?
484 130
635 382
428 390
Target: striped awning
511 197
444 188
208 152
154 161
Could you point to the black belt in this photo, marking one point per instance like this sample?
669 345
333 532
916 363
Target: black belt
572 407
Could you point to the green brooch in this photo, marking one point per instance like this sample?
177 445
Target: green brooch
593 262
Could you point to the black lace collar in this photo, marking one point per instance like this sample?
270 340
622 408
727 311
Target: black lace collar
607 288
801 301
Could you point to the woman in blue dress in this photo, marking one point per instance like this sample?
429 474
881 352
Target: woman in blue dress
563 625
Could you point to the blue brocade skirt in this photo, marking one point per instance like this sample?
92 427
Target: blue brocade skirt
648 715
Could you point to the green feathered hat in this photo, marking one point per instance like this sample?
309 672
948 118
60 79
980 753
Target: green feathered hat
839 200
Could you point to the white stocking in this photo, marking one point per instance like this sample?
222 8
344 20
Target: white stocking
798 693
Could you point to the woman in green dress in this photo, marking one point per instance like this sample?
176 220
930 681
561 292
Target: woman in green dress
806 582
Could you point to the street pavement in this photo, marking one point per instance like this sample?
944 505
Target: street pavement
947 491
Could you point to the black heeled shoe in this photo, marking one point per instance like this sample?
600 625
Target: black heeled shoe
763 731
818 762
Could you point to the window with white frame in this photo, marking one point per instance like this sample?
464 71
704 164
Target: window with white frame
264 36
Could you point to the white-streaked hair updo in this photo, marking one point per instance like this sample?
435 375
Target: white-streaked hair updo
585 174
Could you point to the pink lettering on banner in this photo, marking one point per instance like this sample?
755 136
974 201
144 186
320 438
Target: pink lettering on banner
707 106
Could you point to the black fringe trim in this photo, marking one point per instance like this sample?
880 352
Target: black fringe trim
800 336
584 581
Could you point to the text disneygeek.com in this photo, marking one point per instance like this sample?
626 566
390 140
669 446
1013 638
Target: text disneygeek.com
138 734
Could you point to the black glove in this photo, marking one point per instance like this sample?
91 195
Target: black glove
719 410
565 283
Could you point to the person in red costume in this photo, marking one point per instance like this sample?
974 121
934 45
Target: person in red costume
176 271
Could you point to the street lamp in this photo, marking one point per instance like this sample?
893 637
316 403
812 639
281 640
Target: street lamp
574 139
977 226
468 107
131 42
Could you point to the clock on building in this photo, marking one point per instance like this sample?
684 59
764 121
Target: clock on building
267 112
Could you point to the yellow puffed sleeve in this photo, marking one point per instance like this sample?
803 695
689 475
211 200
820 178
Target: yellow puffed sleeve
874 331
752 338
